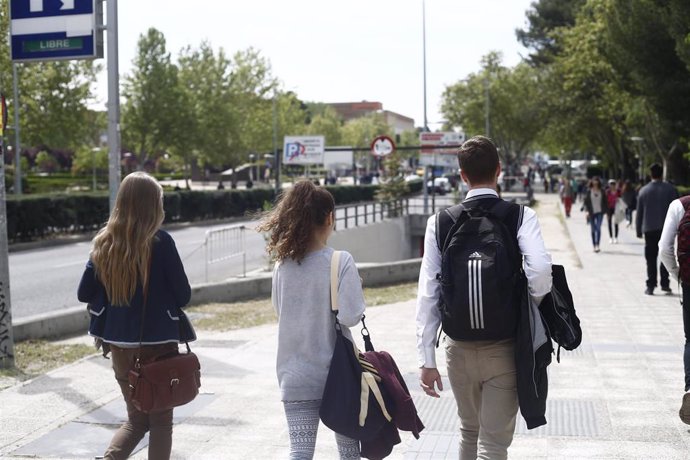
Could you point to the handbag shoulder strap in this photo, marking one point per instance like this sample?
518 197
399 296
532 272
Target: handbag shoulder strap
335 268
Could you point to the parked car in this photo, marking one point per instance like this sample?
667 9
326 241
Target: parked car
440 185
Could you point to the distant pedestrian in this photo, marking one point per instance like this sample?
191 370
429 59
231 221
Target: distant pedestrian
629 197
220 185
612 195
596 206
652 204
299 228
134 263
581 189
680 271
566 196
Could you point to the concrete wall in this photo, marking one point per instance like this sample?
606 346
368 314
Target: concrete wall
379 242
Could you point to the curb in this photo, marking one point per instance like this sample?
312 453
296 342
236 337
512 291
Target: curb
75 320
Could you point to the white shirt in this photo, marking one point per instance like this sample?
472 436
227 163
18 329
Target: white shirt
537 266
667 243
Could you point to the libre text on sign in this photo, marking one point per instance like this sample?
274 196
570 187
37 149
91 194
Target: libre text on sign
43 30
305 150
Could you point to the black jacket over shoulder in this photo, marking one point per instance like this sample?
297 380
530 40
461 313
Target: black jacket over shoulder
530 365
168 292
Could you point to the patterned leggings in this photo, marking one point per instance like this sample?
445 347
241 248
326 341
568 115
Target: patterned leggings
303 424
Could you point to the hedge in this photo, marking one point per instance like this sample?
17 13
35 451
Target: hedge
30 216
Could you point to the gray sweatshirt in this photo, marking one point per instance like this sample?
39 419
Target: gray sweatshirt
306 336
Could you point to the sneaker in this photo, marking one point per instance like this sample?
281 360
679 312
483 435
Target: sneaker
684 411
611 240
650 291
596 248
615 241
667 290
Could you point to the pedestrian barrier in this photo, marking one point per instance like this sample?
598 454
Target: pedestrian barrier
225 243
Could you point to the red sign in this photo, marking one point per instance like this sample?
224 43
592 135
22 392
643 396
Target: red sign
382 146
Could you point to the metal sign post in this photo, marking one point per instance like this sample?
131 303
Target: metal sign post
17 151
113 104
6 336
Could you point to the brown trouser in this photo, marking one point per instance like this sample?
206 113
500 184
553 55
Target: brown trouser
482 377
159 424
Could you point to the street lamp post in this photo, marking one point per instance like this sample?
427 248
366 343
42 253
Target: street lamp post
426 124
252 158
638 144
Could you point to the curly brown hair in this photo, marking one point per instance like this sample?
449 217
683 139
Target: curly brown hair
295 219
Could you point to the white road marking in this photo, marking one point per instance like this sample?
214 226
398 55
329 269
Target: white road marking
70 264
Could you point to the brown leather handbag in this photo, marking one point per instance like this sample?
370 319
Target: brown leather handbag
168 381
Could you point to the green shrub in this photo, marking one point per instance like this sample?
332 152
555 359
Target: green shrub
34 216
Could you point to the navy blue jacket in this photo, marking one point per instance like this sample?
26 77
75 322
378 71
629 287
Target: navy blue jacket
168 292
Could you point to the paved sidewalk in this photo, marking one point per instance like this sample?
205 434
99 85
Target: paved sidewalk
616 397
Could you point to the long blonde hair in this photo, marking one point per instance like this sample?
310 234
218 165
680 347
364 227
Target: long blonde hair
122 249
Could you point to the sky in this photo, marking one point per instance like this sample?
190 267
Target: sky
340 51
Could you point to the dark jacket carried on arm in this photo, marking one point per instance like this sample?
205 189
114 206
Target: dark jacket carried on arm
168 292
530 366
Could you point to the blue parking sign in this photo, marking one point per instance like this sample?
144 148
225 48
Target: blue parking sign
44 30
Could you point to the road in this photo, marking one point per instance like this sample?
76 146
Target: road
45 280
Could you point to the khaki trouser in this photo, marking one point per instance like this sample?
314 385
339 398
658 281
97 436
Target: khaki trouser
158 424
482 377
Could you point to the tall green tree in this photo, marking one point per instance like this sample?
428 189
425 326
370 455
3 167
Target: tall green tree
204 81
587 104
328 124
150 114
54 98
256 93
647 49
545 21
515 108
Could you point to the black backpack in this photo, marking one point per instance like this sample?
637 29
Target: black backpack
481 266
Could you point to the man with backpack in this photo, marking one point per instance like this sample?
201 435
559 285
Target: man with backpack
677 224
484 272
652 204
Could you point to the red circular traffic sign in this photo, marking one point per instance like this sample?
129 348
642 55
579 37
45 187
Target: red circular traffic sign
382 146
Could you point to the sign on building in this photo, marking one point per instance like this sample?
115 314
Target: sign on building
44 30
304 150
432 151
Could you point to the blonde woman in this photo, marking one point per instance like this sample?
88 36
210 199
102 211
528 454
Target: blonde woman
133 261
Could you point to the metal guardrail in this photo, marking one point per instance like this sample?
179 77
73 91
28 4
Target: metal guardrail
354 215
223 244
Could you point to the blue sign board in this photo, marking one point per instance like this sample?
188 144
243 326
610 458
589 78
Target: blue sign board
43 30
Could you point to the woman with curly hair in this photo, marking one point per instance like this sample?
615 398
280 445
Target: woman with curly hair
299 227
134 264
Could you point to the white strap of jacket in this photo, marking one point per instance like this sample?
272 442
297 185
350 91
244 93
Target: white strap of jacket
335 268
